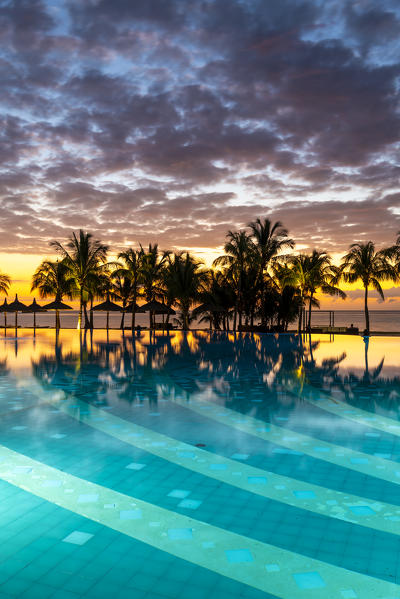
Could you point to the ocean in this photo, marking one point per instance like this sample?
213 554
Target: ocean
381 320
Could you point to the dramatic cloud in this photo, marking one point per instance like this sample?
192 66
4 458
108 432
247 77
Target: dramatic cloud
175 121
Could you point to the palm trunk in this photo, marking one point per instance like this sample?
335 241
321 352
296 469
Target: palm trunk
91 313
121 326
86 325
309 313
80 308
300 315
133 323
366 310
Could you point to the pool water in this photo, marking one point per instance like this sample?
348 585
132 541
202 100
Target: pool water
199 465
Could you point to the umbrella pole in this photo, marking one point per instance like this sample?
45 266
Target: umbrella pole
34 320
108 316
16 320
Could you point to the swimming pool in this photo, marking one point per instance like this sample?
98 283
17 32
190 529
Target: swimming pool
199 465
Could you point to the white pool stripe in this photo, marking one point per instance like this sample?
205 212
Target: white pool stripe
340 408
270 569
314 498
318 499
358 461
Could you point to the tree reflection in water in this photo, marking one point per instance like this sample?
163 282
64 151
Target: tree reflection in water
249 373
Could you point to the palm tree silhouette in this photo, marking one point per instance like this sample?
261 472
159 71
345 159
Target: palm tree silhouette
363 263
239 255
183 278
269 240
321 274
85 258
153 262
131 270
53 279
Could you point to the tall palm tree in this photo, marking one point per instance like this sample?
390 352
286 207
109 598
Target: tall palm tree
53 279
121 290
322 275
298 278
85 257
372 267
269 241
132 260
153 262
183 278
238 258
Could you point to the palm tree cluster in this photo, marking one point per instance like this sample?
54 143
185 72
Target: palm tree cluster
258 283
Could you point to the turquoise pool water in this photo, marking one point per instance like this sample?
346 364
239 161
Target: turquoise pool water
198 465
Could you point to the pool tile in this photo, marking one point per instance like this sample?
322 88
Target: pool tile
191 504
309 580
240 456
89 498
272 568
218 466
186 454
304 494
256 480
177 534
362 510
208 544
135 466
77 537
238 556
179 493
130 514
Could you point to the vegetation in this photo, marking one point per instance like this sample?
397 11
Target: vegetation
258 283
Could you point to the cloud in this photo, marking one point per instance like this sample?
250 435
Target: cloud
175 121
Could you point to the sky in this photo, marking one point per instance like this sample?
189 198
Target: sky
173 121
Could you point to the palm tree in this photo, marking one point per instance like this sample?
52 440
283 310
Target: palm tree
363 263
297 277
269 240
183 278
53 279
152 265
85 258
321 274
238 258
5 283
132 270
216 298
121 290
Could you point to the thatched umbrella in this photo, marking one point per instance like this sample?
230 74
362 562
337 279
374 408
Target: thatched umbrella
17 306
5 308
107 306
155 307
57 305
34 307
